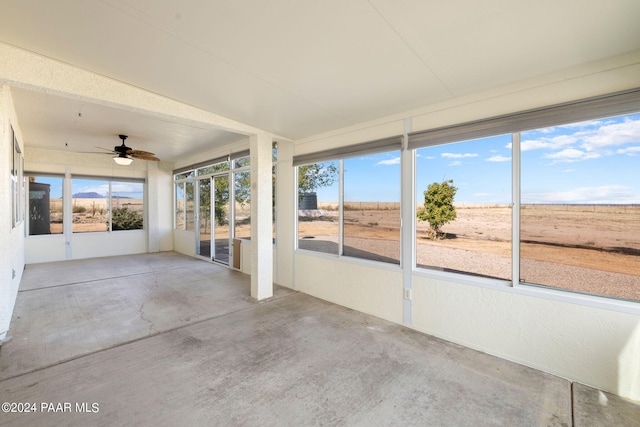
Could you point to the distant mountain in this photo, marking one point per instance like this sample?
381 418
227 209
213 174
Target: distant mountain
94 195
88 195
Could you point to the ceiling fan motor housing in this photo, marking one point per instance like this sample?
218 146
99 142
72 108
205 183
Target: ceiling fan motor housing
121 149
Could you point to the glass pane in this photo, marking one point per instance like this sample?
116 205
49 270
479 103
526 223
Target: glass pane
463 201
190 205
184 175
45 205
318 200
218 167
242 162
372 207
221 219
242 220
204 200
180 208
90 205
127 205
274 197
580 213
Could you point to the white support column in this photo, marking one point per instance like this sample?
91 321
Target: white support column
261 217
153 221
408 210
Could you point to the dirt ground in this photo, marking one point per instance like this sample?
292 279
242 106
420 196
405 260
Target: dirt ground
601 238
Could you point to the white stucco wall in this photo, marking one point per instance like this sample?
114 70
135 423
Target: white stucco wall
11 238
595 342
593 346
351 283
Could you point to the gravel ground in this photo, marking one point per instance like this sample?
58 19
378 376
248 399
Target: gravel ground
578 279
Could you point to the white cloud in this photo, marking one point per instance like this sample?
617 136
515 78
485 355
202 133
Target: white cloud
455 163
552 143
498 158
612 134
571 155
599 194
459 155
394 161
589 136
630 151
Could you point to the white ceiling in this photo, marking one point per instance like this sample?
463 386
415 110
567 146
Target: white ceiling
298 68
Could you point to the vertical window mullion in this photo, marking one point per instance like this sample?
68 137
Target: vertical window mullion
515 209
341 208
109 207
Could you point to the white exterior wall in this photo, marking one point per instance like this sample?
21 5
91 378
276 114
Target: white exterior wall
592 340
11 239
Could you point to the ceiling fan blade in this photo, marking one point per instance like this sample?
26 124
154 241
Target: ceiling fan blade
142 155
105 149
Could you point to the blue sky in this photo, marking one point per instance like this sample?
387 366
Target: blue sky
588 162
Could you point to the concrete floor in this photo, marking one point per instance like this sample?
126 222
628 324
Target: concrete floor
164 339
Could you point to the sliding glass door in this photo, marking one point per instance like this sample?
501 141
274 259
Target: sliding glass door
213 218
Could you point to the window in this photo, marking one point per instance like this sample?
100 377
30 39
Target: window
274 194
472 232
45 205
90 205
576 197
102 205
17 182
189 187
371 206
580 207
180 209
242 208
318 207
349 200
127 205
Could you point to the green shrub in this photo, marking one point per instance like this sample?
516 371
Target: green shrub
438 207
124 219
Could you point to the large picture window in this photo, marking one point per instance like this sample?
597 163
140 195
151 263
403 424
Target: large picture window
127 205
371 217
576 200
580 212
463 201
100 205
349 200
318 204
90 205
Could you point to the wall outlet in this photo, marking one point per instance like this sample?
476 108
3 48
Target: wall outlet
407 293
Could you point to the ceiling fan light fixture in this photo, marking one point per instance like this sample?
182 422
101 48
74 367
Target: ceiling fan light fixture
123 160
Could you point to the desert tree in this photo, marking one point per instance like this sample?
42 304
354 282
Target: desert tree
316 175
438 207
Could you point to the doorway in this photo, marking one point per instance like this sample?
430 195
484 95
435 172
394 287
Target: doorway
213 218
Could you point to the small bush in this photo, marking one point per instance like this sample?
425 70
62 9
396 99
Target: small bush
124 219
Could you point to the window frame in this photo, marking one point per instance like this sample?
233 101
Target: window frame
110 181
617 104
28 175
339 155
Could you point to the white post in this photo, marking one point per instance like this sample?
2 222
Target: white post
261 217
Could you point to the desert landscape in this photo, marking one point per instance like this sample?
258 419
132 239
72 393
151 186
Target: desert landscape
584 248
89 214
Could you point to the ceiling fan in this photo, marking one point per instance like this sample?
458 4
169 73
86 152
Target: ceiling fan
124 155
